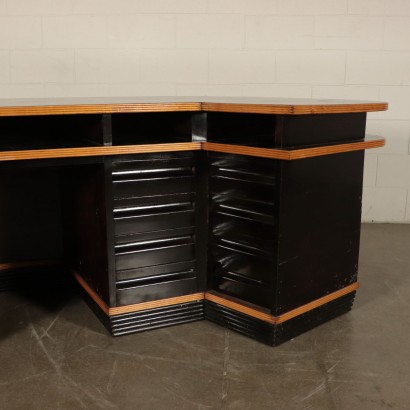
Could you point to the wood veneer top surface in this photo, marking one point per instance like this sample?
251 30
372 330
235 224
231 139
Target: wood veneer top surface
285 106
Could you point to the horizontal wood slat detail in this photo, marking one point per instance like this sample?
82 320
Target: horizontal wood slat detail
97 151
295 154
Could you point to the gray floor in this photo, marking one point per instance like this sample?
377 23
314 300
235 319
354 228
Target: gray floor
58 356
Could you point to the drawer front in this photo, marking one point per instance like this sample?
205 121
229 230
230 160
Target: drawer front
242 228
125 225
154 256
145 273
223 186
242 262
261 296
140 294
153 175
132 188
142 162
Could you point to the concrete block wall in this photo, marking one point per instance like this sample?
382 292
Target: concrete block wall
356 49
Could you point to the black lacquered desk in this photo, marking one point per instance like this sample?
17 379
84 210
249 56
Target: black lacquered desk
245 212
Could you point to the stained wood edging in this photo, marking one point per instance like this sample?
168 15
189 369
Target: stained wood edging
293 109
97 151
281 154
194 297
138 107
275 320
28 264
212 297
125 108
112 311
294 154
238 307
93 295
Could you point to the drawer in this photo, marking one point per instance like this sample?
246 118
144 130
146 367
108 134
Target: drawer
242 262
220 185
152 161
230 225
256 294
152 235
132 188
246 174
121 204
154 221
260 167
137 255
155 271
244 210
147 293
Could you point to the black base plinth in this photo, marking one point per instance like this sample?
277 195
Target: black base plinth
149 319
274 335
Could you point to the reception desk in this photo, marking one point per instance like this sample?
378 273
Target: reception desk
245 212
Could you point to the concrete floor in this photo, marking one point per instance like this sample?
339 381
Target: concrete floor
56 355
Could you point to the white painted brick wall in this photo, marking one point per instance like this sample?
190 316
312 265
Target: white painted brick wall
348 49
38 7
254 66
279 32
42 66
111 66
174 66
20 32
67 32
141 31
210 31
4 67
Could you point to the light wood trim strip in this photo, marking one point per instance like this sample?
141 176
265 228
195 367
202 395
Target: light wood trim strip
327 107
190 146
156 304
93 295
295 154
28 264
336 149
274 320
244 150
238 307
316 303
97 151
97 109
112 311
289 109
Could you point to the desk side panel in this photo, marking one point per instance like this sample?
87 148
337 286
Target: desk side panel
86 226
319 227
31 235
